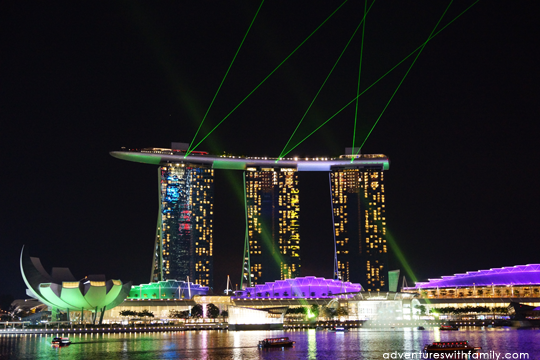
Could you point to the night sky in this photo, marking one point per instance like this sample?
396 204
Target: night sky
81 79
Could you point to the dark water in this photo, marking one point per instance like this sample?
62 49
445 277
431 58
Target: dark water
310 344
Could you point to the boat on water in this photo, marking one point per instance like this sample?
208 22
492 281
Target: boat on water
451 349
60 341
276 342
448 327
338 329
420 328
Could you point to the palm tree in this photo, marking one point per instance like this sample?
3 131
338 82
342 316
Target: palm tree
146 314
128 313
342 311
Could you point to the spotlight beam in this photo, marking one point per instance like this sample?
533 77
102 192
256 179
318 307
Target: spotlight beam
224 77
359 74
272 72
401 82
388 72
325 80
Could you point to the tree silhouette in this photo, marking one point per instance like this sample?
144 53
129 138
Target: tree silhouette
342 311
212 311
175 314
197 311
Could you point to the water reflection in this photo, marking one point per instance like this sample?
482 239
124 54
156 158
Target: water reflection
437 334
237 351
311 344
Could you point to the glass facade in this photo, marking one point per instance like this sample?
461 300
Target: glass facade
169 289
273 212
360 227
300 288
184 236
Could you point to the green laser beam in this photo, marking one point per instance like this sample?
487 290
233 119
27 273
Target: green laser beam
273 71
224 77
325 80
359 74
401 257
401 82
389 71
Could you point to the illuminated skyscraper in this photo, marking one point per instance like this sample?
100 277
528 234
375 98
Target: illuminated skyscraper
273 212
184 231
360 226
184 244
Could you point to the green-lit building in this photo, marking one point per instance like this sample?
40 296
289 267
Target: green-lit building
60 290
169 289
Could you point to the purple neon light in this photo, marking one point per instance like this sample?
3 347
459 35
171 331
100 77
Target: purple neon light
516 275
301 287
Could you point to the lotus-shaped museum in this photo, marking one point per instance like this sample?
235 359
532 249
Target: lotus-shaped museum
61 290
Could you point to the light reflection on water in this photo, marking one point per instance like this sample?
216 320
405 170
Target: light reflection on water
310 344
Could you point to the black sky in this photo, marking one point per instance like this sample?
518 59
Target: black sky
80 79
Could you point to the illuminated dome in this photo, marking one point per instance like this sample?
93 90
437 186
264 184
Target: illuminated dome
60 289
300 287
168 289
515 275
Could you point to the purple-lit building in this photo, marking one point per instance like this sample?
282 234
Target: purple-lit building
521 275
487 288
300 287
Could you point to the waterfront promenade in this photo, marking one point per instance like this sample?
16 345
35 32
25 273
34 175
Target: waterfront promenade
291 325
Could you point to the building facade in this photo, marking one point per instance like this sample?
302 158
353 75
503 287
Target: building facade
184 234
358 205
167 290
517 282
184 242
273 215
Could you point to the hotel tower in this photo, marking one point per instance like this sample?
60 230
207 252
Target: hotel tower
273 213
360 226
184 234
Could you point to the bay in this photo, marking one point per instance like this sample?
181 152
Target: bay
310 344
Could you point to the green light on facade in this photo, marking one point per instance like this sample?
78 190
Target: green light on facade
229 165
137 157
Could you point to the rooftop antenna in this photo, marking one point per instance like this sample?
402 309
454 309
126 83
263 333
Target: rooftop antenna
189 292
228 283
404 283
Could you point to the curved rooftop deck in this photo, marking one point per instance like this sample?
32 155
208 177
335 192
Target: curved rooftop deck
158 156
